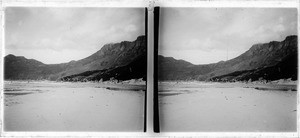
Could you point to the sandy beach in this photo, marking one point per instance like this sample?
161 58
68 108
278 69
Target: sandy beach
57 106
233 107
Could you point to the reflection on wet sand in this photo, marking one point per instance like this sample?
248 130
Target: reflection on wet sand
55 106
234 107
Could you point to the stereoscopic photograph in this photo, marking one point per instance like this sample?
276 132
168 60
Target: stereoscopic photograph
74 69
228 69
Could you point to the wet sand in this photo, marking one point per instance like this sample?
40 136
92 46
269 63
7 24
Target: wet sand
54 106
233 107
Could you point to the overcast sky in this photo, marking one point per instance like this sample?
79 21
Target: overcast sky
56 35
204 35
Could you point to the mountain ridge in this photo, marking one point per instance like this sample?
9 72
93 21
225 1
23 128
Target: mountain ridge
109 56
258 55
128 60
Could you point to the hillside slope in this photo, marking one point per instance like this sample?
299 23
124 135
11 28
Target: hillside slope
258 56
109 56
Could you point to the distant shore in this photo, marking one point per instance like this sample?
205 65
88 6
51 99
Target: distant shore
280 85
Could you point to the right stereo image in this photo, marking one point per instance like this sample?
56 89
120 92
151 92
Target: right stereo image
227 69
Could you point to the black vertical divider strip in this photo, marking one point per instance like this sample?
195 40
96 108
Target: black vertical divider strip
145 101
155 83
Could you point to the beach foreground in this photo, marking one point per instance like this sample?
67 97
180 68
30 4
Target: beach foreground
57 106
233 107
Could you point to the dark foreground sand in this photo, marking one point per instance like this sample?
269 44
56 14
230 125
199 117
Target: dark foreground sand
51 106
234 107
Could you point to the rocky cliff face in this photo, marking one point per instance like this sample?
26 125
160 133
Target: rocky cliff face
257 57
108 57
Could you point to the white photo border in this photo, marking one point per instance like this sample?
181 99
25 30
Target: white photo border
143 4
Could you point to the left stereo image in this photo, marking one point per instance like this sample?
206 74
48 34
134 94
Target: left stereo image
74 69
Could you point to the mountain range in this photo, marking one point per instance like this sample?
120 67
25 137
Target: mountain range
269 61
128 60
124 60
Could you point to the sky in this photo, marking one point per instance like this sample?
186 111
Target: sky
210 35
57 35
